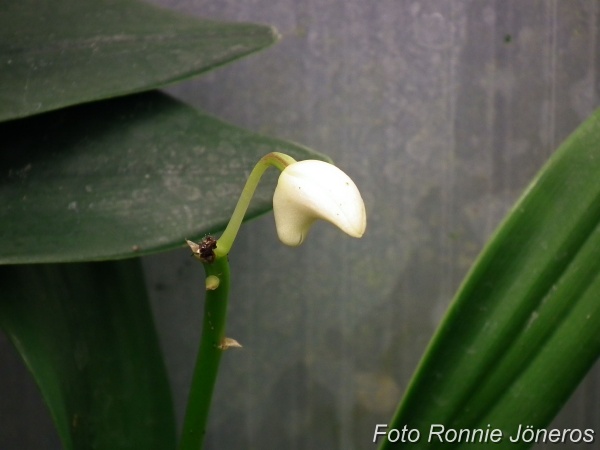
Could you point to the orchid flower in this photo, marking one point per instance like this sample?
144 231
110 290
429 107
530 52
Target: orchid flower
310 190
306 191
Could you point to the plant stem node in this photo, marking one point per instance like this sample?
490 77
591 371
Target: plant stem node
212 282
205 251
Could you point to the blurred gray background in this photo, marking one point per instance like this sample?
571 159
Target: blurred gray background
441 111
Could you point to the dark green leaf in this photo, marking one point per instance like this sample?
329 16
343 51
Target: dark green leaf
60 53
523 329
86 333
121 178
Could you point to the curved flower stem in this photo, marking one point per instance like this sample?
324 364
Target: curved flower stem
275 159
212 345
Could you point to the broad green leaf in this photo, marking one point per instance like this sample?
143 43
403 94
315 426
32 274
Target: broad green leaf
523 329
86 333
122 178
64 52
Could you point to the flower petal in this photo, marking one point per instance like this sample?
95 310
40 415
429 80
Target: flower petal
310 190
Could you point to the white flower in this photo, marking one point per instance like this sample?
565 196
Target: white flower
310 190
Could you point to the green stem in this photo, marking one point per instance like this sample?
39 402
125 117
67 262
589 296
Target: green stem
209 356
274 159
213 343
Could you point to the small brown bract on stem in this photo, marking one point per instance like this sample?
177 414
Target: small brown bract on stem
205 251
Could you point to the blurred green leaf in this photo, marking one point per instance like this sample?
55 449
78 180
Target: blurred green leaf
59 53
122 178
86 333
523 329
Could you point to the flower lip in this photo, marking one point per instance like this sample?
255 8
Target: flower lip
310 190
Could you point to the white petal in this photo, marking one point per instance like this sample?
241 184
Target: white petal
310 190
